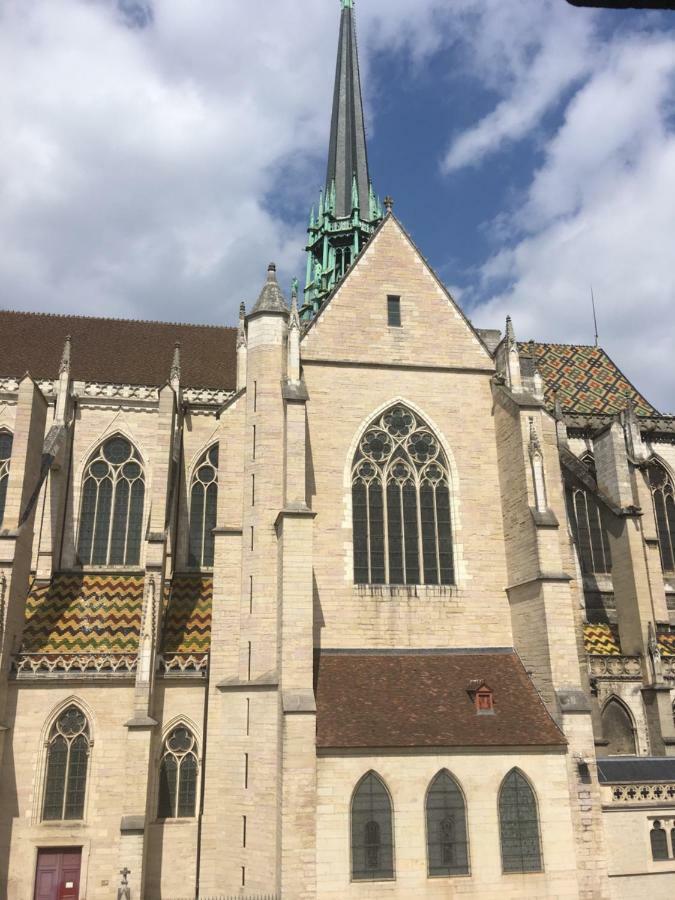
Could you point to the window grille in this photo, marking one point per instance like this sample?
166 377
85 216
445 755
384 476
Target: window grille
5 457
617 729
401 504
372 832
589 528
519 825
447 845
203 507
659 841
178 776
111 515
663 496
67 759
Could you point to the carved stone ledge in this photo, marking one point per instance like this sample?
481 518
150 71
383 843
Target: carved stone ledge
643 793
615 667
30 665
183 664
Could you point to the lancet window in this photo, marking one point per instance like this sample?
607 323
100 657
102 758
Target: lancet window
519 825
617 729
447 846
67 761
203 503
401 504
372 831
5 457
587 518
658 838
111 516
663 495
178 775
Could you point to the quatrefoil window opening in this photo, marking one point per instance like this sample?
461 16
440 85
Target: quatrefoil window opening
401 504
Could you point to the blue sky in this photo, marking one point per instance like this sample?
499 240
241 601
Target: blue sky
156 155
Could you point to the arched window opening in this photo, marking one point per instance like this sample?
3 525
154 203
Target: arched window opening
519 825
203 507
589 528
659 841
617 729
178 775
67 760
447 845
663 495
5 458
111 516
372 831
401 504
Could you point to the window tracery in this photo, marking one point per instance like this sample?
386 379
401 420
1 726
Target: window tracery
111 514
663 495
447 846
401 504
589 528
67 761
519 825
6 441
372 831
178 775
203 506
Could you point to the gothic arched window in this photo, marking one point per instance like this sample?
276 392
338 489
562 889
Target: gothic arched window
519 825
401 504
178 775
5 457
372 831
663 495
67 759
111 516
617 729
659 841
203 503
587 518
447 845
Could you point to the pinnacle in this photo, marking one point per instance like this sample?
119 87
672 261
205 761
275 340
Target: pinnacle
271 298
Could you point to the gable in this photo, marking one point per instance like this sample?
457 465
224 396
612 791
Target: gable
353 325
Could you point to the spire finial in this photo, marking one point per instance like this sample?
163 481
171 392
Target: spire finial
242 310
175 364
347 4
510 333
388 203
65 356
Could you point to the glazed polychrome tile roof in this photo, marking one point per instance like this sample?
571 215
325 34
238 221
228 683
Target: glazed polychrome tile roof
603 640
585 379
84 614
187 616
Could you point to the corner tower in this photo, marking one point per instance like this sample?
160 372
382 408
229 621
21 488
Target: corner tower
348 209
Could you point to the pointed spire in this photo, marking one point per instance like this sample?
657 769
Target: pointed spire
271 298
510 333
174 377
241 329
347 157
65 356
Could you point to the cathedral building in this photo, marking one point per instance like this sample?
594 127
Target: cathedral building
352 600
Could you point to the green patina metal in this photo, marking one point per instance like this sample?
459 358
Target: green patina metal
349 210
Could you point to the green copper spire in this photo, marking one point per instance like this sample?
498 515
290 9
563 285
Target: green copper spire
349 210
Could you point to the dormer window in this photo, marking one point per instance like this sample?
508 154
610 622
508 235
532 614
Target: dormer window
482 696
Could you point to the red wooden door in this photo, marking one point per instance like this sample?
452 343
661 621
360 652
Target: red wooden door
58 874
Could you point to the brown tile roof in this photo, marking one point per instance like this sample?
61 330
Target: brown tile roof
420 699
585 378
117 350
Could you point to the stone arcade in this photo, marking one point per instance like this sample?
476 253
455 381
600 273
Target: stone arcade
351 601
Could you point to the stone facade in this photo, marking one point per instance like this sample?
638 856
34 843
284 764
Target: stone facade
272 814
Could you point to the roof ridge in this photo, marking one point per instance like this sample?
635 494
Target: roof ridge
51 315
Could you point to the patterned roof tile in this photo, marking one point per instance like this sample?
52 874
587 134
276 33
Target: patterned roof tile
187 615
602 640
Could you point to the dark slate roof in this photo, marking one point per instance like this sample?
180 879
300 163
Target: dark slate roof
407 698
117 350
584 377
271 298
629 769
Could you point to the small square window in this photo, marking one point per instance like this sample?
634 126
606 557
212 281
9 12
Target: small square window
394 312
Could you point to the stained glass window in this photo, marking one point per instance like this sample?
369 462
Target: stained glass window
659 841
617 729
401 504
111 514
67 761
5 457
203 505
372 831
519 825
447 845
663 495
588 521
178 775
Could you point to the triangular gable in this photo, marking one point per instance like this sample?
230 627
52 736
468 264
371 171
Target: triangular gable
352 325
